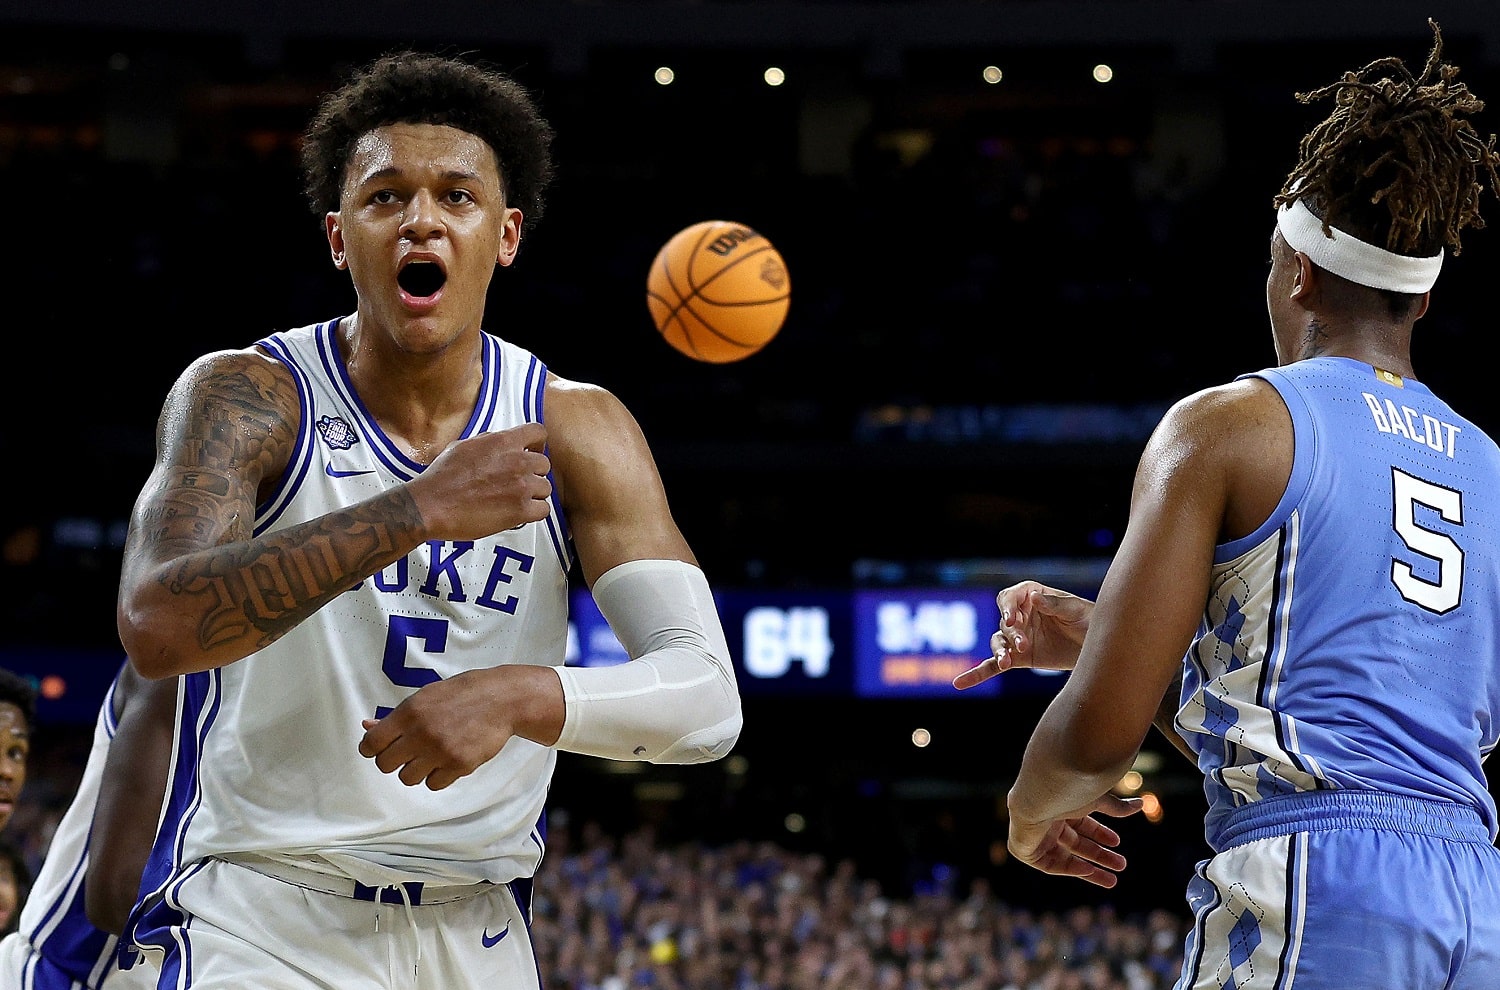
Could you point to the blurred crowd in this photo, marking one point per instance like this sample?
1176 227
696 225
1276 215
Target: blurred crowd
628 912
622 913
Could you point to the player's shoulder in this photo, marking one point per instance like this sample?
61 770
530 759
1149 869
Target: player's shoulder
591 436
1240 408
248 380
217 366
572 404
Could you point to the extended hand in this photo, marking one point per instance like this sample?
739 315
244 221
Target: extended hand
1076 844
1040 627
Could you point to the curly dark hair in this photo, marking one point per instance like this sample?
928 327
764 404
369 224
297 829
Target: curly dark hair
1397 163
407 87
19 691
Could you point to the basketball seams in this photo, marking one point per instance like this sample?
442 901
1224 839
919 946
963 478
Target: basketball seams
684 322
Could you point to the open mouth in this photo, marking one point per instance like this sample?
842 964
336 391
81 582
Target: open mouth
421 279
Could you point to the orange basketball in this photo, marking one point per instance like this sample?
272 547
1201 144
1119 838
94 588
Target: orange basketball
718 291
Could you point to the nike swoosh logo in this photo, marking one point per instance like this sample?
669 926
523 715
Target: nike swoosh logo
490 941
335 473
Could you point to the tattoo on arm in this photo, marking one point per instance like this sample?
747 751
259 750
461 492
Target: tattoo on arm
228 431
269 585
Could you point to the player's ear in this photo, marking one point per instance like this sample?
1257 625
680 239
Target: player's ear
333 227
1305 278
1422 306
510 236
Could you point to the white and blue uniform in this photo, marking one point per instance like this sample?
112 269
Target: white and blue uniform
1342 695
55 946
271 808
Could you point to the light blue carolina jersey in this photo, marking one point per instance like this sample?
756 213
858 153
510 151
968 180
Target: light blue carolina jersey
1353 640
268 759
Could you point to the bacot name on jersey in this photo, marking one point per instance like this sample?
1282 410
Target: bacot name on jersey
1418 427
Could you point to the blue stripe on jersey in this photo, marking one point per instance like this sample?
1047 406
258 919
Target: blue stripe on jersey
200 706
1200 887
167 926
1288 540
337 374
489 389
111 716
1296 889
535 390
301 460
73 951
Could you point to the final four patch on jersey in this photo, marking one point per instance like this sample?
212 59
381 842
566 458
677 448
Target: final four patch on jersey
1390 377
337 433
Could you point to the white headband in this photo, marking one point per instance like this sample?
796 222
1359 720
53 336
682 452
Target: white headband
1354 259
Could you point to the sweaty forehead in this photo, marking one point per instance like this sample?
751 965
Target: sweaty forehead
412 149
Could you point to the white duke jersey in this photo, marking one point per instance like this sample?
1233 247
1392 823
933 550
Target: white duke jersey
268 761
66 950
1353 640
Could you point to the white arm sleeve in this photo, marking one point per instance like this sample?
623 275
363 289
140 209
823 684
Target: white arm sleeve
675 700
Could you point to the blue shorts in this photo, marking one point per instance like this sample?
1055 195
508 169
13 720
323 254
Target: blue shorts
1346 890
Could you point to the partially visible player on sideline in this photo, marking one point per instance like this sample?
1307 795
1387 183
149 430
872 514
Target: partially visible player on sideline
356 543
1314 549
56 946
15 882
17 716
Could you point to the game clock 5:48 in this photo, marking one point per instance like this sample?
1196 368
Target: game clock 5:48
886 643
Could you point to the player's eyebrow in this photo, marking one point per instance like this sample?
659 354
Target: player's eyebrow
450 175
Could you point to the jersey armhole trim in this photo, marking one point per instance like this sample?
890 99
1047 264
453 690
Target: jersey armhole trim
1304 451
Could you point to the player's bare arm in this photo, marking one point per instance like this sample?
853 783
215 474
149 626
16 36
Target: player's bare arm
1042 628
198 590
1166 719
608 482
1190 494
676 701
131 791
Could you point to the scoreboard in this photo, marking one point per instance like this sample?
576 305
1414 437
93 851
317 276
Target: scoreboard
889 642
865 643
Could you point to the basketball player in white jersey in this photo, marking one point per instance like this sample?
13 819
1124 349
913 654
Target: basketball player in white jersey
66 937
1313 556
355 546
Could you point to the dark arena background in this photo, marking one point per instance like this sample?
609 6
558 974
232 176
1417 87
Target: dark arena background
1016 231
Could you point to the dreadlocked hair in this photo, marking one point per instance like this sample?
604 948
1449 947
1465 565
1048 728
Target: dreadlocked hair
1397 161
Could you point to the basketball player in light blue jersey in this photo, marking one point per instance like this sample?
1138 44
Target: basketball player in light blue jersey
355 546
57 946
1314 551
